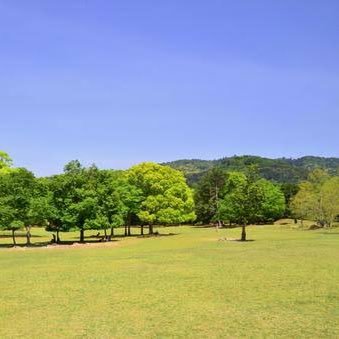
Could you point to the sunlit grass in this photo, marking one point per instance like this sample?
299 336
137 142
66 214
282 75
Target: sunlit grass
189 284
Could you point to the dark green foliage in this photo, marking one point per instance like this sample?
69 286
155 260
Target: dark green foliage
289 190
225 197
208 192
281 170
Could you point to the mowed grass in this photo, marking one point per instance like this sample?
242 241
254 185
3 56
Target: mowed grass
284 283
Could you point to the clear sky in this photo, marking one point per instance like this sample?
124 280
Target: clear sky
123 81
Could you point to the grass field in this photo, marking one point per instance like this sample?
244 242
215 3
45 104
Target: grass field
284 283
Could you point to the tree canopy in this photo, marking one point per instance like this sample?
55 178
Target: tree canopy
166 198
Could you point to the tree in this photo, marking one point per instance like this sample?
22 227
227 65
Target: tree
330 196
7 218
130 199
112 210
273 204
15 225
289 190
317 198
75 198
209 191
165 198
302 202
243 199
17 188
5 161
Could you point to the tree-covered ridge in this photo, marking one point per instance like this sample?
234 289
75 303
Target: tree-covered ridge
282 170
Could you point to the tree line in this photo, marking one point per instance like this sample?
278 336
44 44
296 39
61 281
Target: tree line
148 194
89 198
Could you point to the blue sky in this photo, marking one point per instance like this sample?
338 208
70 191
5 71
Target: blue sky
120 82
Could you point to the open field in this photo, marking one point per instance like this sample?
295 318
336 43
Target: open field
285 283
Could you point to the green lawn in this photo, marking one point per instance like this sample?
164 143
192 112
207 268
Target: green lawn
284 283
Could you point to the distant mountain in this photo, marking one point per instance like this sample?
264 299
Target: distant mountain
281 170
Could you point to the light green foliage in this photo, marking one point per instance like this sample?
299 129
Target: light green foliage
273 205
318 198
166 198
5 162
330 196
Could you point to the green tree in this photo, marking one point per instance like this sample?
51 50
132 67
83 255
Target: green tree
14 226
317 198
5 162
7 219
17 188
273 204
112 209
243 199
303 202
289 190
166 198
330 199
209 191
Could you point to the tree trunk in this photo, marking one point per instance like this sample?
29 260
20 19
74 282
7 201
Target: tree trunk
142 230
243 233
82 235
111 235
13 237
105 232
57 237
28 235
125 230
150 229
129 230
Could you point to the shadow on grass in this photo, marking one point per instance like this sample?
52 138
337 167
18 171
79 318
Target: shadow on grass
235 240
61 243
156 235
17 236
227 227
92 239
329 233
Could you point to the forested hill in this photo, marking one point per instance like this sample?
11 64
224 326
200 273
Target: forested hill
280 170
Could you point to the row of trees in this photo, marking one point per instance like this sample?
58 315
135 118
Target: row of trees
147 194
88 198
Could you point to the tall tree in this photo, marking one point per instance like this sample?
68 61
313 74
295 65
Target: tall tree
208 193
